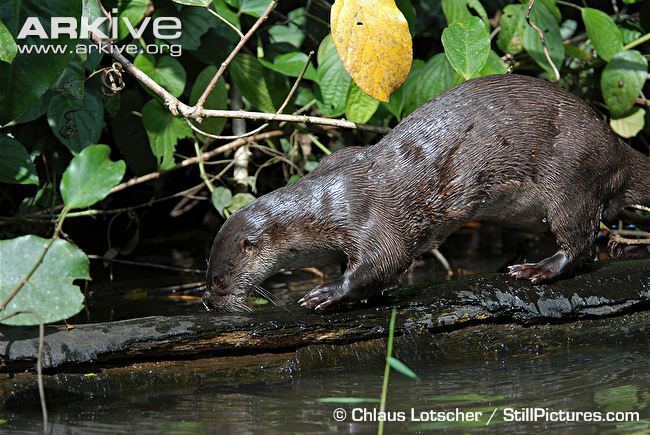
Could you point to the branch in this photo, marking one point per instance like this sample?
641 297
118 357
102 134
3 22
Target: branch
176 107
541 38
343 123
233 53
293 90
195 160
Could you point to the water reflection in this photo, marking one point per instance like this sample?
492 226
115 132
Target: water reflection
604 380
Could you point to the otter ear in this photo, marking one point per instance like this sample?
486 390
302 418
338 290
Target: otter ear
247 244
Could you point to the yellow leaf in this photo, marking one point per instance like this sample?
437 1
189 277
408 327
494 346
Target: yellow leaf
373 41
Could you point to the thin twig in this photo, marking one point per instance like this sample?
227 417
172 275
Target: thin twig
194 160
627 241
144 264
640 207
541 38
202 173
228 23
290 95
443 261
233 53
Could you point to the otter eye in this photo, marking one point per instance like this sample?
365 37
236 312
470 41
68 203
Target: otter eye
247 244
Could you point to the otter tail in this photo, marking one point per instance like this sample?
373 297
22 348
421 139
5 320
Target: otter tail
638 188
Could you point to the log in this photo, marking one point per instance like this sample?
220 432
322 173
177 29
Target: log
609 289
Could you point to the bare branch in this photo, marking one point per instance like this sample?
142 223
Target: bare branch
293 90
233 53
195 160
176 107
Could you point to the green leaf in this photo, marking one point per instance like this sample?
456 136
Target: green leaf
429 81
76 123
291 64
71 81
195 21
253 8
221 199
49 292
8 47
605 35
90 176
218 99
15 165
262 89
203 3
402 368
348 400
544 19
551 5
131 10
467 46
360 106
494 65
333 80
240 200
289 34
164 130
30 75
222 9
458 11
512 24
629 126
622 81
166 71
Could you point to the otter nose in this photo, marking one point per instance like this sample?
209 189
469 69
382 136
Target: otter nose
217 285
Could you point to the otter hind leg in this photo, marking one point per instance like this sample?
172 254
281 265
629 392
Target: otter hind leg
575 231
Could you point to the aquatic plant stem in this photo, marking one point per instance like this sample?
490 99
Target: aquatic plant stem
389 354
39 361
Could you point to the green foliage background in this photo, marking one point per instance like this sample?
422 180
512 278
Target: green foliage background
52 106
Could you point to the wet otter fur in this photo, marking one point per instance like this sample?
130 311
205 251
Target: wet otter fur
505 148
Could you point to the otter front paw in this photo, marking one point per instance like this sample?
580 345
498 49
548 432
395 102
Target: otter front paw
322 297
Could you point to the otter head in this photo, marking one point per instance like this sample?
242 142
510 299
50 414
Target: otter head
242 256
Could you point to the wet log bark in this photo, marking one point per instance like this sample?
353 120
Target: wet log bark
485 303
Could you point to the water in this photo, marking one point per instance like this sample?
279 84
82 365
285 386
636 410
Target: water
604 380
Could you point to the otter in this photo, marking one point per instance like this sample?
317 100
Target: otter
506 148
